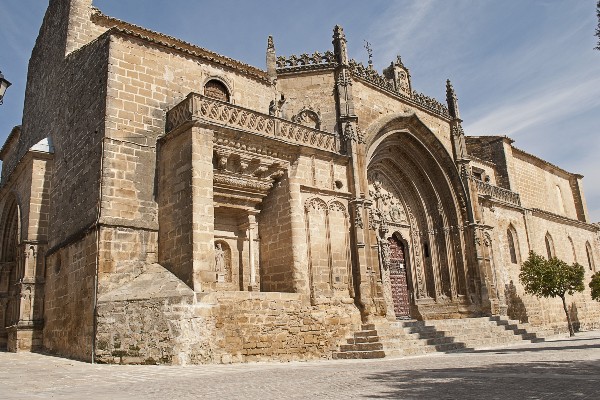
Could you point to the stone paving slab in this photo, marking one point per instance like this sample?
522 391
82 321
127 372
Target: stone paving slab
562 368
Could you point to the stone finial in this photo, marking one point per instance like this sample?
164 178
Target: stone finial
339 45
399 62
271 59
452 100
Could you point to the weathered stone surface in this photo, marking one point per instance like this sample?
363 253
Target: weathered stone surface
188 208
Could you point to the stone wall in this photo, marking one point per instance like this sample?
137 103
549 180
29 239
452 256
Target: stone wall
69 299
528 232
275 230
312 90
543 187
220 328
124 252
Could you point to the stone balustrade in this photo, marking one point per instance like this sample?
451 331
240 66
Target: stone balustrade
496 193
196 107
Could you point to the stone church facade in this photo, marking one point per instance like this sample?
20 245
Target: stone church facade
161 203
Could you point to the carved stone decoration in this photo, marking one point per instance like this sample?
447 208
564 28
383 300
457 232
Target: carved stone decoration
308 116
487 240
348 133
203 108
222 261
384 248
386 200
371 76
358 221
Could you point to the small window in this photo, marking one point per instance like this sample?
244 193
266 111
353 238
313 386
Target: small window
559 200
549 246
590 256
573 249
216 90
511 247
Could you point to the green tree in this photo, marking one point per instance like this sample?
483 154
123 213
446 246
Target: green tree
598 28
552 278
595 286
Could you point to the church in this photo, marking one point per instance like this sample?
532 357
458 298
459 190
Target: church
165 204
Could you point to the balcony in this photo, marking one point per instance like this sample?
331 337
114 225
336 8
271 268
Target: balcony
496 193
200 108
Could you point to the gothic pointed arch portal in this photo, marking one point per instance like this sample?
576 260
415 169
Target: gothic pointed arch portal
416 191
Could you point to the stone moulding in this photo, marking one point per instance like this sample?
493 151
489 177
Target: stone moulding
196 107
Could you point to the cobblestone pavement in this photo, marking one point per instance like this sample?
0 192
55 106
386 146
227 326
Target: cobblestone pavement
564 368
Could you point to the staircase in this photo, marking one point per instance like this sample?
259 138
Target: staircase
408 338
363 344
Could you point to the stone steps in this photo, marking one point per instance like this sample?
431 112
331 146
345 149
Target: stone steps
408 338
362 345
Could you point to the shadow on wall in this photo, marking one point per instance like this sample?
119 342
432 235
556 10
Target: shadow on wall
516 307
574 317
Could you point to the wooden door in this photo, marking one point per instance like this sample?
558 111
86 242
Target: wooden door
398 279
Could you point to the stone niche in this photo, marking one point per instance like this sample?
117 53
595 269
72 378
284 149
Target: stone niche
232 249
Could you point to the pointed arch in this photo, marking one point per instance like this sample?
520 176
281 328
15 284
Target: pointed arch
573 249
10 229
423 173
549 246
513 244
590 256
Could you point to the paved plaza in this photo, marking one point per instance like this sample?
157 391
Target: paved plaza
562 368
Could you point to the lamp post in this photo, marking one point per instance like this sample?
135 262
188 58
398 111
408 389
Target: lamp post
4 84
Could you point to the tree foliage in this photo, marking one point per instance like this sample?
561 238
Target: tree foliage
552 278
595 286
598 28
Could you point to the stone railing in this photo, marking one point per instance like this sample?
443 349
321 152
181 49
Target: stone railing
496 193
305 61
196 107
419 99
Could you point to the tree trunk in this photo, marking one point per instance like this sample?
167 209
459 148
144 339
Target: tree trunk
571 330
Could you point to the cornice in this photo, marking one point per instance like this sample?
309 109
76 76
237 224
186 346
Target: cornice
117 26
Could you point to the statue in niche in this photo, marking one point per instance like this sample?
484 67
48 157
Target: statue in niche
219 258
222 262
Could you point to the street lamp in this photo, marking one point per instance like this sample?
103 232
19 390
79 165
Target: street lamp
4 84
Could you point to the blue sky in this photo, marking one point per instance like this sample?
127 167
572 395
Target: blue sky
526 69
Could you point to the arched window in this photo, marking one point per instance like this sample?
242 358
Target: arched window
549 246
559 199
216 90
573 249
590 256
511 247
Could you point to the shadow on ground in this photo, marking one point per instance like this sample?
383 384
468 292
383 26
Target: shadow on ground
536 380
